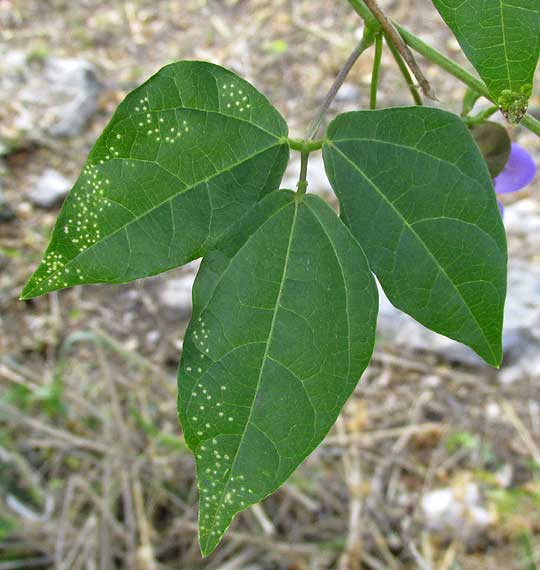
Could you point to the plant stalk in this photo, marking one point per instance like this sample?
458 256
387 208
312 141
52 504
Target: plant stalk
363 11
417 98
376 71
302 185
481 117
435 56
366 41
529 122
394 37
302 145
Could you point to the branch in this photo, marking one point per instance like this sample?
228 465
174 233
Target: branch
393 36
375 72
362 10
435 56
405 73
302 180
366 41
441 60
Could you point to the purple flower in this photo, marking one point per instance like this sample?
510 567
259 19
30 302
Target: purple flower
518 172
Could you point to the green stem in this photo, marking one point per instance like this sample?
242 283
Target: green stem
435 56
364 12
364 44
392 35
469 101
529 122
481 117
302 145
302 180
417 98
375 72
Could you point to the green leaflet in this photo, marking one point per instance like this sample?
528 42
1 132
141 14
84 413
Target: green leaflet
416 193
501 38
183 157
284 312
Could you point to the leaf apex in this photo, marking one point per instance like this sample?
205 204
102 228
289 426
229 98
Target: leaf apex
494 356
32 289
28 290
499 358
207 546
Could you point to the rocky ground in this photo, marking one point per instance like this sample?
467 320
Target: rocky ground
434 463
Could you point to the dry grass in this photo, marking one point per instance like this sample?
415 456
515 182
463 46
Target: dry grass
103 480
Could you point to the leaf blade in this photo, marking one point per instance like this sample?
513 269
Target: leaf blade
502 40
280 367
416 194
182 158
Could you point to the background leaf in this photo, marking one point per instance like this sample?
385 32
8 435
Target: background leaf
416 193
494 144
183 157
501 38
284 313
